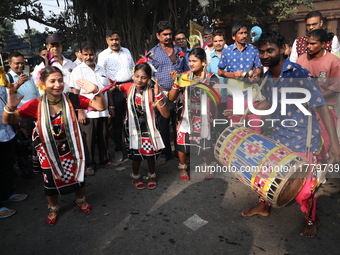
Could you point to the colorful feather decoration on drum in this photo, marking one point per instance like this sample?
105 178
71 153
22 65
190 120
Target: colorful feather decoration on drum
212 93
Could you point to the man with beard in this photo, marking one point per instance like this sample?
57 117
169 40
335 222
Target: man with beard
94 124
325 67
118 64
313 21
237 59
283 73
55 48
167 58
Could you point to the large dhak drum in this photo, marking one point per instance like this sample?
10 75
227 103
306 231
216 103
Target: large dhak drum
269 168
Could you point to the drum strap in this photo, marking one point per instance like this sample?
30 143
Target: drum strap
309 136
264 81
309 144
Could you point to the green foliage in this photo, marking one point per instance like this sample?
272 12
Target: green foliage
137 19
262 11
6 30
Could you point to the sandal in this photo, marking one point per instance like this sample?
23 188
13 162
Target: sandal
89 171
152 181
53 215
183 174
136 182
110 164
84 206
15 198
10 212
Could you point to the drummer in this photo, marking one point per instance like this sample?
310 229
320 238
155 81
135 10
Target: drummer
271 48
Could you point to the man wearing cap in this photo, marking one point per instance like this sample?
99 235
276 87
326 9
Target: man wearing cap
55 47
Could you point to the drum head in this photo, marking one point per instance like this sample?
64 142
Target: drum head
291 187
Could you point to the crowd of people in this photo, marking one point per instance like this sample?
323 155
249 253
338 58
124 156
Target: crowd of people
168 97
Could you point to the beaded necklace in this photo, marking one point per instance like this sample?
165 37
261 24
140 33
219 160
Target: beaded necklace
138 101
53 102
58 126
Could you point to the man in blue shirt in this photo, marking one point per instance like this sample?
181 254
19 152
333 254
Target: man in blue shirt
167 58
7 160
237 59
293 134
215 56
181 41
29 90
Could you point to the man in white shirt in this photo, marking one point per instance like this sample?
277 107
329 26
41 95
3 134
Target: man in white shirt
29 90
55 47
79 56
118 64
313 21
93 124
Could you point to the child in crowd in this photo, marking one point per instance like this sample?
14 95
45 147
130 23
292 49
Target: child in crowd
142 137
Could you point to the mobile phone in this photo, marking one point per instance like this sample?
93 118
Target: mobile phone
26 70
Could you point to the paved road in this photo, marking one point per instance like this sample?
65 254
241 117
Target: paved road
128 221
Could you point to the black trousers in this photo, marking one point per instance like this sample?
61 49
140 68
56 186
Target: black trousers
117 122
24 146
165 125
95 131
7 160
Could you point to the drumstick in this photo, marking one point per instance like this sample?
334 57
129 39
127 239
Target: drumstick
257 94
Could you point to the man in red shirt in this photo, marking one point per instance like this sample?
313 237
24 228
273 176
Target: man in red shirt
325 67
313 21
